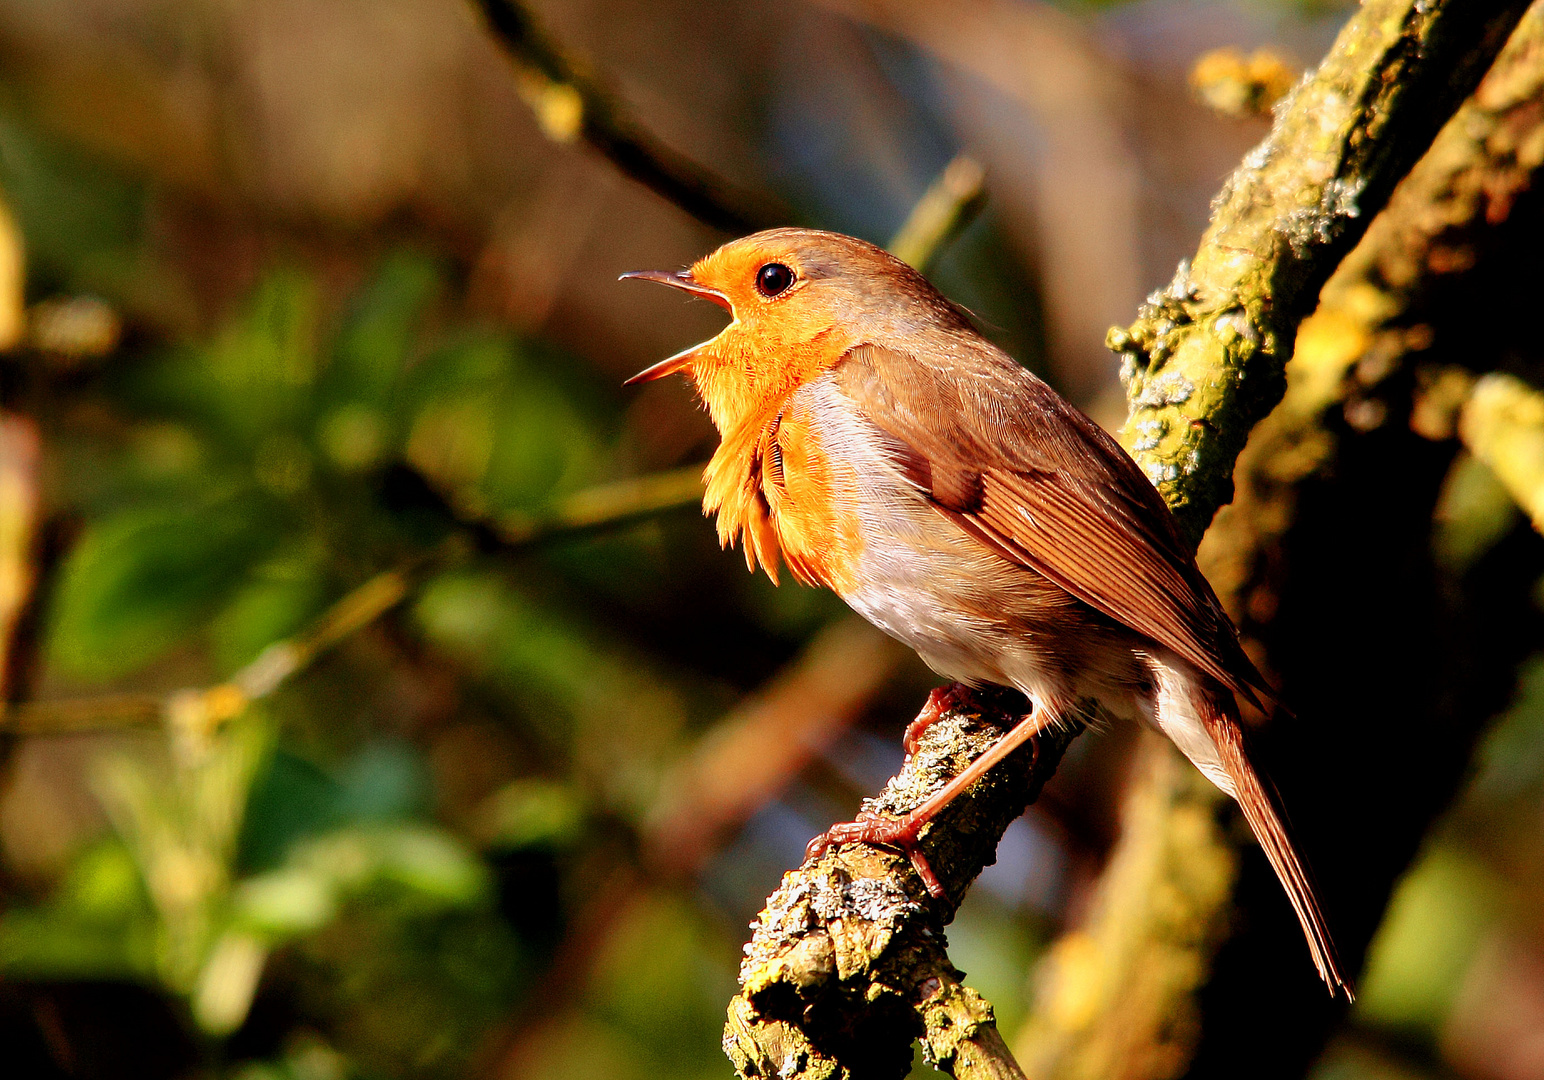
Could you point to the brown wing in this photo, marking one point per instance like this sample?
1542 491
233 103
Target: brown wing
1001 454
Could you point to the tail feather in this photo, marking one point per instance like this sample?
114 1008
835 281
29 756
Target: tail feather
1265 820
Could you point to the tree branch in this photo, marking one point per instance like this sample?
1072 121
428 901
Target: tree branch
846 965
838 969
1205 360
950 203
570 104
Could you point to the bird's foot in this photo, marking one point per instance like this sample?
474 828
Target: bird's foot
870 828
939 701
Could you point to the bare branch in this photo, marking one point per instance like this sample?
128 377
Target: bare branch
570 104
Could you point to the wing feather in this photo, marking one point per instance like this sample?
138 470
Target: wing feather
1004 457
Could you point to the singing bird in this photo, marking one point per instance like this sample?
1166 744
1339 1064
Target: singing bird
878 445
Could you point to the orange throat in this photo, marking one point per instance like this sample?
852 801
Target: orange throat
774 489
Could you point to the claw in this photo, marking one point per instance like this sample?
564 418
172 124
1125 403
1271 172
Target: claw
870 828
902 833
939 701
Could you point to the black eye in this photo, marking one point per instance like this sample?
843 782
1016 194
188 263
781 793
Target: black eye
772 279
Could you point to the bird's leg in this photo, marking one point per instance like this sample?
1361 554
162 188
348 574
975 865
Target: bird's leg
905 832
939 701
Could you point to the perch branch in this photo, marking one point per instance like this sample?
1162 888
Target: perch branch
847 961
570 104
839 967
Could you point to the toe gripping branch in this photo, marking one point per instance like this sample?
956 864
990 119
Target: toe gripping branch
847 962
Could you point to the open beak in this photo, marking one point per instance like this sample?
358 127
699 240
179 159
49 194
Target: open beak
684 282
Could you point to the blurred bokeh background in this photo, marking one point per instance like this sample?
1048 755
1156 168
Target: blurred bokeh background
369 718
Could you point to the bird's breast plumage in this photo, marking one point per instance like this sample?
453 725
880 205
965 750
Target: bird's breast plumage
846 516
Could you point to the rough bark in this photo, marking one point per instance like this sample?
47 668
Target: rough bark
1205 360
847 963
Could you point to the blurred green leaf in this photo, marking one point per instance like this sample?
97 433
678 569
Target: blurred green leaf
103 885
143 579
376 341
1473 512
410 995
82 220
275 601
495 431
422 860
385 780
531 812
538 651
1511 759
254 380
1429 934
285 904
291 799
663 977
98 924
594 699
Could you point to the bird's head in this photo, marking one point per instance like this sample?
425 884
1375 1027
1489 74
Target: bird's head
800 300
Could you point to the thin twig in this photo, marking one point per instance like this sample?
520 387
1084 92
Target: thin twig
948 206
570 104
605 506
207 707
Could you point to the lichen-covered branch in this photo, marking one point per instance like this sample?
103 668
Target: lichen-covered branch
847 963
569 105
1443 219
1205 359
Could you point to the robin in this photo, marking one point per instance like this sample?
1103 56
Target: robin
878 445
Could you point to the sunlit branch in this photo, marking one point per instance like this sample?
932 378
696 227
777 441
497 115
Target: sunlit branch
1116 988
1502 424
1205 360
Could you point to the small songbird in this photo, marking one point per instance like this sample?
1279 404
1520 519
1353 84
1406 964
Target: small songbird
878 445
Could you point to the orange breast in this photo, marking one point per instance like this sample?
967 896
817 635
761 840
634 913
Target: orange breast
812 499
